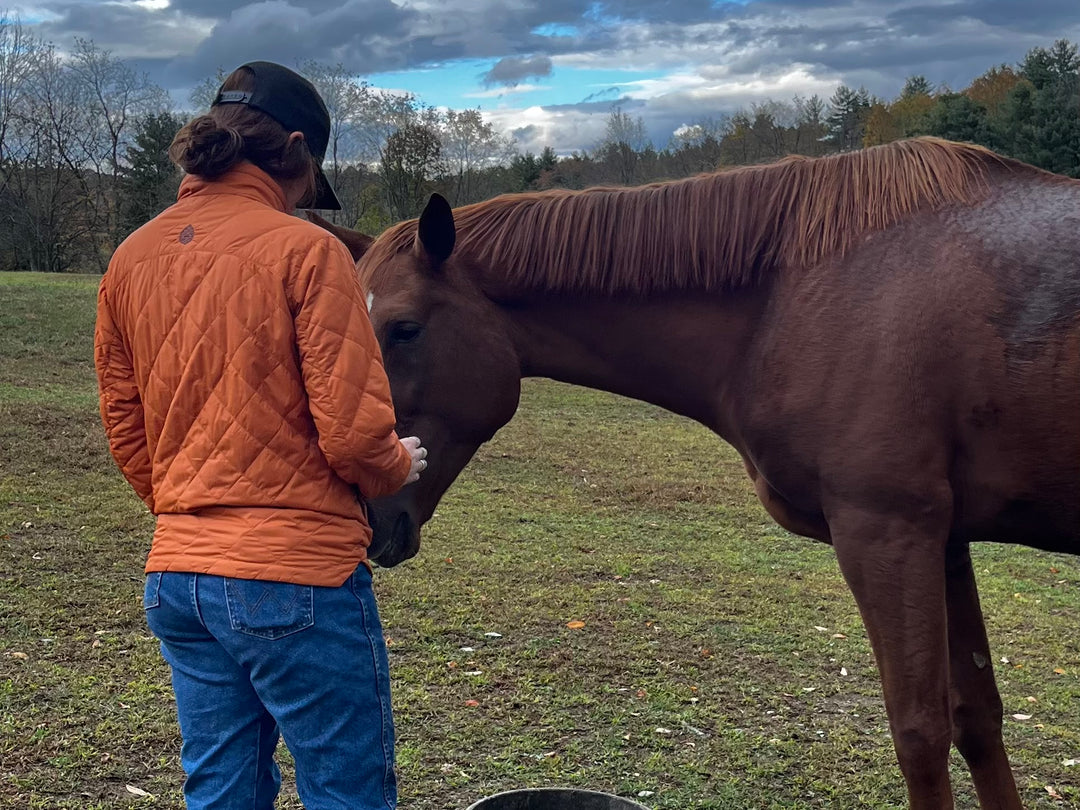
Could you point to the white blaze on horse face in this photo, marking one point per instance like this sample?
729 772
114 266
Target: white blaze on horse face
370 300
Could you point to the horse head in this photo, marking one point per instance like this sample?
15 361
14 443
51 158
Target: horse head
450 359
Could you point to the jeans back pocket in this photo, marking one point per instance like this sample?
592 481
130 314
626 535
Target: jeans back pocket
152 590
268 610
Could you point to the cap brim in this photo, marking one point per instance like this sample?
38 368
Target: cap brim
325 198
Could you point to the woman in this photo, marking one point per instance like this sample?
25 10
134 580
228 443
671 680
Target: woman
244 398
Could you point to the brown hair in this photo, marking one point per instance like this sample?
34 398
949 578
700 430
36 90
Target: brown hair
210 145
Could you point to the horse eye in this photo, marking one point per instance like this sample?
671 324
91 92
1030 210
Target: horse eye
405 332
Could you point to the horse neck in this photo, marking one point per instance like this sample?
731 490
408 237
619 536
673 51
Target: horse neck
683 352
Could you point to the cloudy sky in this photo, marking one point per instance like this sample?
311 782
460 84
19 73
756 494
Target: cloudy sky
549 71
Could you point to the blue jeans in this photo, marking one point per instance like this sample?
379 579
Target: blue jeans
250 657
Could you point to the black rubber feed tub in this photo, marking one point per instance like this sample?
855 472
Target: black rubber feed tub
555 799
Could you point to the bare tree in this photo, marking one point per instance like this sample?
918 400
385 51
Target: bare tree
696 147
19 51
204 93
49 206
411 160
810 126
115 96
347 101
471 145
625 141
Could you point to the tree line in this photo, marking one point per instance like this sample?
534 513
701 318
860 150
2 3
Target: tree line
83 139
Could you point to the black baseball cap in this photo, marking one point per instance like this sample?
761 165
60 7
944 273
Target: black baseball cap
293 102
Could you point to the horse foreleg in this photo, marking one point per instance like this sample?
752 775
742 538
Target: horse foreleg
895 568
976 704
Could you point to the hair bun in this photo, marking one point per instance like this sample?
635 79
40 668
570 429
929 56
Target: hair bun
207 148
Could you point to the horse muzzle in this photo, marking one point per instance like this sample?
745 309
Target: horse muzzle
395 536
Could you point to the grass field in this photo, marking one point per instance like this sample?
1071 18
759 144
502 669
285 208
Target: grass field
721 663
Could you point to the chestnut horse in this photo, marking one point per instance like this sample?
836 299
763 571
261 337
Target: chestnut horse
890 338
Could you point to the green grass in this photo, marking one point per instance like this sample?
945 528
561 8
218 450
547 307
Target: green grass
700 616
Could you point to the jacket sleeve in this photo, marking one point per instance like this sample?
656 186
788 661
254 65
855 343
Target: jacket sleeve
348 392
121 407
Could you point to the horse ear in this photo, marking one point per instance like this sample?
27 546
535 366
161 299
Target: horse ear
436 230
356 242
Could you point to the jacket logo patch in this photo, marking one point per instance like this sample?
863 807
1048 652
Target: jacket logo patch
187 235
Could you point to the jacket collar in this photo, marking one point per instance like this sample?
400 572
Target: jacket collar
242 180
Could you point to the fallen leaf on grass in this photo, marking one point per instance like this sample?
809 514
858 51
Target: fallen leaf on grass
472 704
575 624
821 629
1053 793
1059 671
1031 699
1021 717
843 671
493 634
135 791
1070 762
20 655
661 730
838 635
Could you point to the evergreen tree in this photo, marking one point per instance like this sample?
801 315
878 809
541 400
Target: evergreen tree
916 86
1040 120
848 111
150 180
957 117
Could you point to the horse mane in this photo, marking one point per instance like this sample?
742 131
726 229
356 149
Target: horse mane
712 231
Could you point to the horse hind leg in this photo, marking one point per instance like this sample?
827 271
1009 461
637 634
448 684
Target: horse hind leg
974 699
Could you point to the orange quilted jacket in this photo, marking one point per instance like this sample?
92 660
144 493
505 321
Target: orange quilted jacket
242 389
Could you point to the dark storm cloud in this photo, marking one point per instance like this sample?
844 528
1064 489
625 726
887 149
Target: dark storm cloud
126 28
731 46
624 103
366 35
1036 16
511 70
608 94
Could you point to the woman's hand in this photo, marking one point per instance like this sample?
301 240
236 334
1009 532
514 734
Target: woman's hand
418 455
